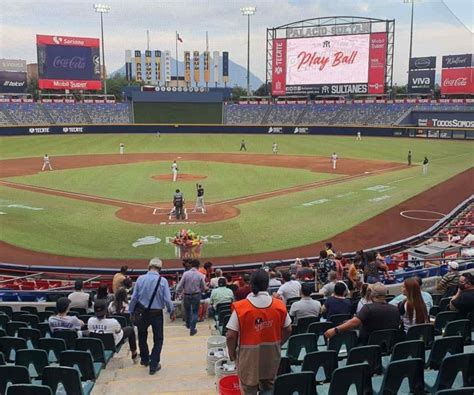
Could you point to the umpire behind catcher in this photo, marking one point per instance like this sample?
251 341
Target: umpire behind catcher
178 202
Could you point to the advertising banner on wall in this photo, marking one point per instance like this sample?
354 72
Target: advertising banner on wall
128 65
455 61
12 82
138 66
187 66
158 66
225 67
279 67
167 66
148 66
457 81
207 67
216 64
197 76
68 63
16 65
377 63
421 81
423 63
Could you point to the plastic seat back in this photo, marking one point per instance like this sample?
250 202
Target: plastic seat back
44 328
384 338
81 359
28 389
357 375
29 309
457 391
408 349
423 332
31 335
338 319
107 340
303 324
7 310
13 326
327 360
68 336
68 377
371 354
94 346
398 371
10 345
442 347
44 315
31 319
53 347
450 367
3 321
37 358
444 303
295 383
442 320
459 328
318 328
121 320
11 374
300 343
347 339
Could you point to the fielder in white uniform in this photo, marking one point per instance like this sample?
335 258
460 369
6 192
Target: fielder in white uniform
122 148
46 163
359 136
174 170
334 160
275 148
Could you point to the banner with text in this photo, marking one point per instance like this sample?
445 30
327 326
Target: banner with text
138 66
456 61
167 66
457 81
207 70
148 66
421 81
12 82
197 74
225 67
377 63
427 62
158 66
216 63
279 67
15 65
187 66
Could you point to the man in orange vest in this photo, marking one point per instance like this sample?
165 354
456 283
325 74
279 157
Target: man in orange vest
256 329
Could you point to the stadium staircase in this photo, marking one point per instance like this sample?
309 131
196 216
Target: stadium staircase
299 120
403 116
265 117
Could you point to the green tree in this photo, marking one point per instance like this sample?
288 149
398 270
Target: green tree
32 88
263 90
237 92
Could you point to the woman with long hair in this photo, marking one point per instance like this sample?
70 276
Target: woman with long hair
365 297
413 310
120 303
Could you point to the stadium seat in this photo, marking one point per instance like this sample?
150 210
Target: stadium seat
3 332
346 377
95 347
459 328
28 389
44 328
10 345
34 360
7 310
83 360
53 347
383 338
318 328
299 346
13 326
69 336
300 383
85 317
284 366
442 347
122 320
107 340
44 315
31 336
68 377
3 321
338 319
11 374
444 303
442 319
423 332
347 339
29 309
2 359
405 350
314 361
393 382
371 354
303 324
447 376
457 391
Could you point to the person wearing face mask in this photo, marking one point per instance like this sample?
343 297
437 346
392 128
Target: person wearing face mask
463 301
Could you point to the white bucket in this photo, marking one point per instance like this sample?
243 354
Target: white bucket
224 367
213 355
216 341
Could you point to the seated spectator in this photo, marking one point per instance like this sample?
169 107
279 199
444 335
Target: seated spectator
209 271
372 268
372 317
289 289
305 272
337 303
364 297
79 298
412 310
214 280
101 324
117 281
232 285
306 307
245 289
468 238
449 280
328 288
222 294
274 282
128 285
323 267
62 321
463 301
103 294
120 302
455 237
427 298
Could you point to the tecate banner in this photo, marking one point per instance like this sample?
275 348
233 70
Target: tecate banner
457 81
12 82
454 61
427 62
279 67
421 81
13 65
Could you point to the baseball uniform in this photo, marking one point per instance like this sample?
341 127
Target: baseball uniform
174 171
199 199
46 163
334 160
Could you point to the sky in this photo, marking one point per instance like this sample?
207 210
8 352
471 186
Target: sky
441 26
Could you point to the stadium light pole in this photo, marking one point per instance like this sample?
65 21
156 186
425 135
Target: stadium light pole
247 11
411 26
102 9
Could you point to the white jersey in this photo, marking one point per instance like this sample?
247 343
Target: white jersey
275 147
174 167
45 159
334 157
106 325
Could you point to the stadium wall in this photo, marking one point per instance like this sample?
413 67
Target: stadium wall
175 112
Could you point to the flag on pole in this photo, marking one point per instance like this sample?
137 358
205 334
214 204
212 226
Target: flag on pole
178 37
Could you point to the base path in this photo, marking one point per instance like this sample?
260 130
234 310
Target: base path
384 228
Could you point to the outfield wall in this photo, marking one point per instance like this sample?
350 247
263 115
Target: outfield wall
346 130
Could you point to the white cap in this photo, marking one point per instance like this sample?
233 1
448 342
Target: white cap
156 263
453 265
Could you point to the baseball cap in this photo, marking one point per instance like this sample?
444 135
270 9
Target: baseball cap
62 304
453 265
378 291
100 308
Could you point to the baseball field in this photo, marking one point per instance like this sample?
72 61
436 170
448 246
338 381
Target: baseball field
99 208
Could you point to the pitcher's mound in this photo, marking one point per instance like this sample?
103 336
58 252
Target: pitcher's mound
181 177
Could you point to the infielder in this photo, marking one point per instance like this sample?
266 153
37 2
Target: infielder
425 166
359 136
275 148
174 170
122 148
409 158
199 199
243 146
334 160
46 163
178 203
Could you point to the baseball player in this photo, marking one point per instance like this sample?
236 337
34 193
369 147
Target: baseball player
275 148
46 163
334 160
199 199
243 146
359 136
122 148
174 170
409 158
425 166
178 203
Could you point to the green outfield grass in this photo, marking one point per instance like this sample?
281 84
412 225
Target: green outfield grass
79 228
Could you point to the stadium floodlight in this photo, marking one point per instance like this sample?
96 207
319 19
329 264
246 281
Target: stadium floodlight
247 11
102 9
411 27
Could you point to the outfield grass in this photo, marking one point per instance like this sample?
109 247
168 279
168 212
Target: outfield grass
80 228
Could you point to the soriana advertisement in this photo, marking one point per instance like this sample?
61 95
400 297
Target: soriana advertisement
457 81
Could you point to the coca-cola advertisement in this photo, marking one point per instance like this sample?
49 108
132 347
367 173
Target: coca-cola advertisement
457 81
68 63
457 61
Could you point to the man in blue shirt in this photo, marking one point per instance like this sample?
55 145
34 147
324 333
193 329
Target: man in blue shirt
143 293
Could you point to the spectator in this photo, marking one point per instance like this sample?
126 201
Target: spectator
306 307
463 301
209 271
274 282
222 294
340 263
117 281
353 275
427 298
295 267
455 237
152 294
103 293
101 324
450 279
468 238
192 285
324 266
372 268
362 256
305 272
215 280
128 285
245 289
231 284
289 289
328 288
372 317
79 299
202 270
364 297
328 248
255 331
337 303
62 321
120 302
413 310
